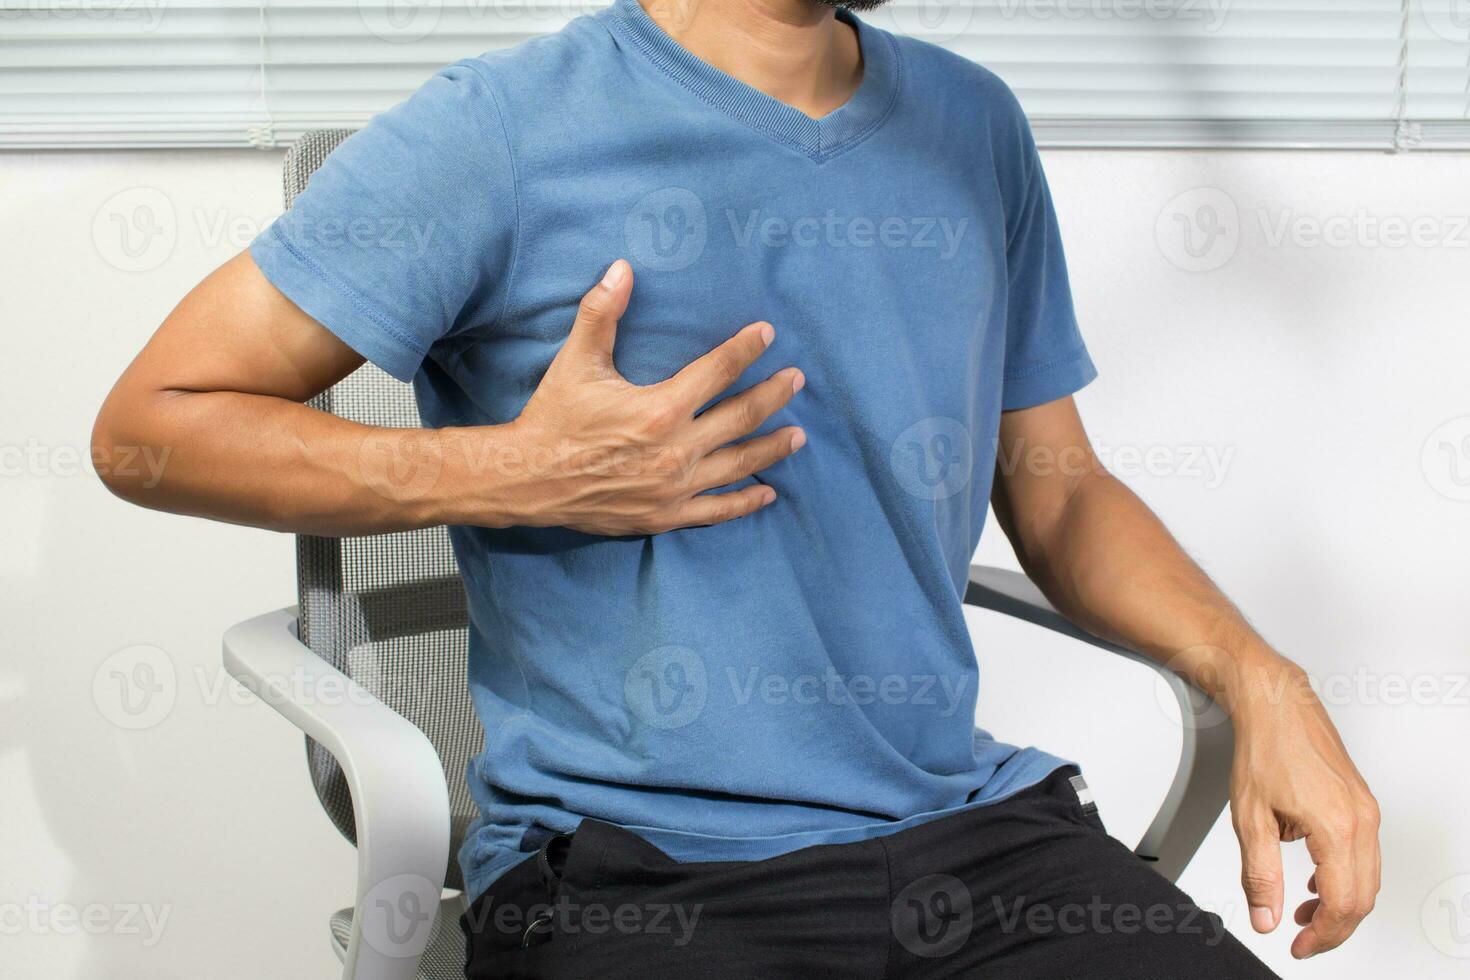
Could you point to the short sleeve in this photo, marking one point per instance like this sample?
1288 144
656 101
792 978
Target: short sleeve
407 228
1045 357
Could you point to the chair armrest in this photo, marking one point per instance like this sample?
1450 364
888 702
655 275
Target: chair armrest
1201 786
399 797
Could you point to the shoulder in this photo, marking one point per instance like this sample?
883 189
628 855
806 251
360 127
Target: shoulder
548 66
959 91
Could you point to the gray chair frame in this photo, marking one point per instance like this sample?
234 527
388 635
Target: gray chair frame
400 794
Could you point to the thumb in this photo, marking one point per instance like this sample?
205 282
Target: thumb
1260 871
590 343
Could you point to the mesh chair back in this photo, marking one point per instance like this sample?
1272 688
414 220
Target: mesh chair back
387 610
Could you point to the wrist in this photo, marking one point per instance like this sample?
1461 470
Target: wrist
486 470
1255 678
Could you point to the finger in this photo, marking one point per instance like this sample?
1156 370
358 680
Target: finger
741 414
735 463
1337 913
1260 870
589 346
1305 911
1312 883
706 377
716 508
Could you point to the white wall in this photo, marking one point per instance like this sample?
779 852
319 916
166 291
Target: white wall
1316 375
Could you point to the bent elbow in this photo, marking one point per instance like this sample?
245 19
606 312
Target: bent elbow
125 459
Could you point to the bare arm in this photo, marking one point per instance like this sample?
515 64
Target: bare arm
1106 562
217 395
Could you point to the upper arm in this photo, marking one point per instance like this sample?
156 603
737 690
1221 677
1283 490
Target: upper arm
233 332
1042 455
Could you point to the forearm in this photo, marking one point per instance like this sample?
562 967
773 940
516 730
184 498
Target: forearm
1109 564
274 463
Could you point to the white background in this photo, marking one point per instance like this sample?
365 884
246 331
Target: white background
1316 373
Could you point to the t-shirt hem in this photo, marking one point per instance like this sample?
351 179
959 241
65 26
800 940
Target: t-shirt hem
684 846
1048 381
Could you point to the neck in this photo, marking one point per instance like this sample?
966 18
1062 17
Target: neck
795 51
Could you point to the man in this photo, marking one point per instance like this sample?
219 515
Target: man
717 641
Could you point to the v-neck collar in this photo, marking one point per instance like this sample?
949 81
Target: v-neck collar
821 139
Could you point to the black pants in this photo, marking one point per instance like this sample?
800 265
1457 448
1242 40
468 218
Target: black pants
1029 887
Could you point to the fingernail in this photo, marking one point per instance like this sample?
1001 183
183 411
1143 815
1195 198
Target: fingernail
798 439
768 496
1262 920
615 273
768 333
798 382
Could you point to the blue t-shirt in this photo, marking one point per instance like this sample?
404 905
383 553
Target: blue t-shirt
800 676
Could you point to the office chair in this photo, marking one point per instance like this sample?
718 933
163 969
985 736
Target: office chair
371 666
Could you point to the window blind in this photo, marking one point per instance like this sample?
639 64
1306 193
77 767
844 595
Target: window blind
1391 74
